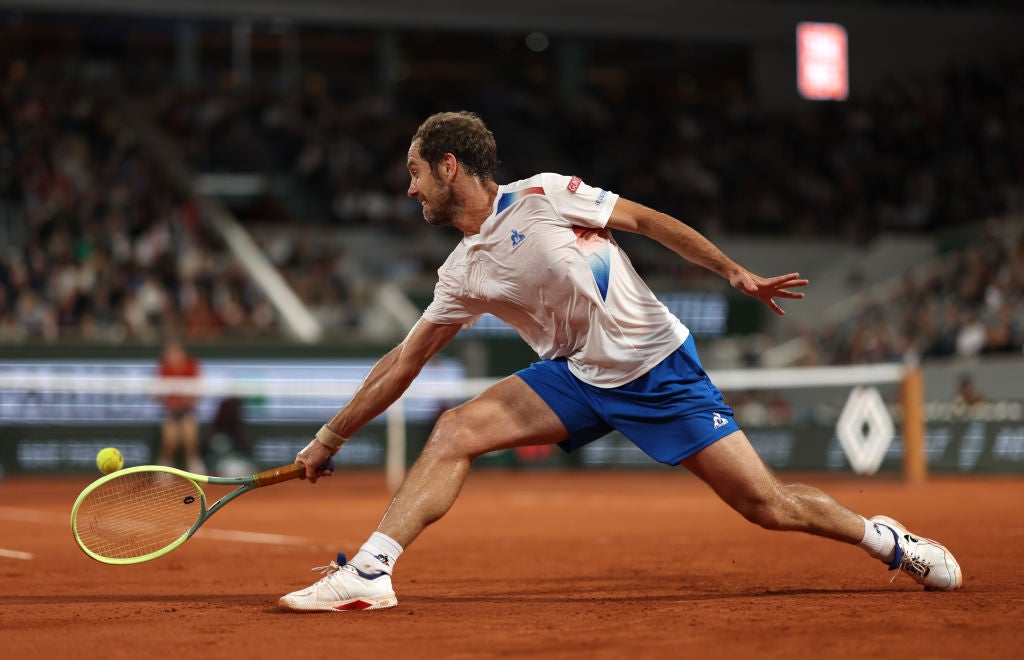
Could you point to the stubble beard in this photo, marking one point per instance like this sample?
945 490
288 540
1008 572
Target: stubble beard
443 209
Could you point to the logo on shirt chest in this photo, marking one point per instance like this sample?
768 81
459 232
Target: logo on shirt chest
517 239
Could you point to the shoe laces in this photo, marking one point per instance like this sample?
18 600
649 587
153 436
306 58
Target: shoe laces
912 563
330 572
332 568
326 571
915 564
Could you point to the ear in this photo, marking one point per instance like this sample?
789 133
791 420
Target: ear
449 167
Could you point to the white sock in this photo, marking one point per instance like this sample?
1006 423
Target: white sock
378 554
878 541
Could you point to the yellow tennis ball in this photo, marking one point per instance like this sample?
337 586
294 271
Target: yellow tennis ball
109 460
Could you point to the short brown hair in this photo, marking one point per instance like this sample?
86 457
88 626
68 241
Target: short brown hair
462 134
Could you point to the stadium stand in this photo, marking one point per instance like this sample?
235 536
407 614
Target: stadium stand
106 249
100 247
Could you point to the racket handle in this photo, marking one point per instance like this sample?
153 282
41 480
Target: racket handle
286 473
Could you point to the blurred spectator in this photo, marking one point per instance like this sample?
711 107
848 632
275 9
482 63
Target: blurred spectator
970 340
967 401
226 448
967 393
761 407
179 432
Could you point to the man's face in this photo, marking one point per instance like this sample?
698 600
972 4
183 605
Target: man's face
430 190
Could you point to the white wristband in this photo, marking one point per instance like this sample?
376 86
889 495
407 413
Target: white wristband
329 438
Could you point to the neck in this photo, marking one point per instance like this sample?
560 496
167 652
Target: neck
477 204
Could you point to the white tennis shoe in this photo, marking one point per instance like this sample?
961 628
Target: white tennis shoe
342 589
925 560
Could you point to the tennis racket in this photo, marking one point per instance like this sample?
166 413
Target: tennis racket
141 513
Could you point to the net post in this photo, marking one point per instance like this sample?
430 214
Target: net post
394 457
915 464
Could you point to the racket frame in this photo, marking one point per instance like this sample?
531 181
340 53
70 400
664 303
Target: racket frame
244 485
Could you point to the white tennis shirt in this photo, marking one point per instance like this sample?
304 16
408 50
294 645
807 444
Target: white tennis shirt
545 263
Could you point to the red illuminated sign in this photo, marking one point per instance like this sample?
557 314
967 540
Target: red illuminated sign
822 61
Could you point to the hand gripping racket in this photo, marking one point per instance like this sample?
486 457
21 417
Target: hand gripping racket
141 513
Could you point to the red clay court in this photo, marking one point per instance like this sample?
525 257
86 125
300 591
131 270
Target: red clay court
546 564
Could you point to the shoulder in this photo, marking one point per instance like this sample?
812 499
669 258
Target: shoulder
549 185
564 186
545 180
455 262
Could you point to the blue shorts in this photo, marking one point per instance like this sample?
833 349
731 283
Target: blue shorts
671 412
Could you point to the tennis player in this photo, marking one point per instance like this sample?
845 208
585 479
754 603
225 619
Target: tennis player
539 254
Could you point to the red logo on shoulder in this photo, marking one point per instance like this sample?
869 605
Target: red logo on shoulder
574 184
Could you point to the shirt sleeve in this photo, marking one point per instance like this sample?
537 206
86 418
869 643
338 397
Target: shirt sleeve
577 202
448 308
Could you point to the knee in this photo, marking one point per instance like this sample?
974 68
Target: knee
453 435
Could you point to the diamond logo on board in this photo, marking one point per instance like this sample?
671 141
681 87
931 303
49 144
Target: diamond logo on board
865 429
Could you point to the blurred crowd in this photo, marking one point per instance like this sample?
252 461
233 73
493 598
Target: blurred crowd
919 155
972 305
99 246
109 251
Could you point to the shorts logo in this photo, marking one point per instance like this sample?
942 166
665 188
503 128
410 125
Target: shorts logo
574 184
719 421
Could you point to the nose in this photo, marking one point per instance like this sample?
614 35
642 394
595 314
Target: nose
412 191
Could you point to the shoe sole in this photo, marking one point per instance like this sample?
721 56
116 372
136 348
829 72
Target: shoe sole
354 605
953 569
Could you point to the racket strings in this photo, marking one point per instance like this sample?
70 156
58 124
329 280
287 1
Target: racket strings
137 514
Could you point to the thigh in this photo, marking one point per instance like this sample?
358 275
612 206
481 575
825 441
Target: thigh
172 429
190 428
507 414
577 405
733 469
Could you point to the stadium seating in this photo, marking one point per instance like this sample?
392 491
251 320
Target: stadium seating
101 248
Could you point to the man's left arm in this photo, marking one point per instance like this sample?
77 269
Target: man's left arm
690 244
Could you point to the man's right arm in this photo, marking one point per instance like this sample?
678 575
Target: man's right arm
693 246
387 380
